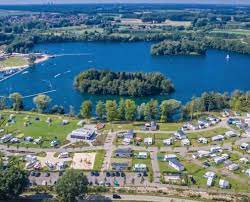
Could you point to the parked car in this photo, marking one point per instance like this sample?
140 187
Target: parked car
116 196
37 174
107 174
117 174
32 173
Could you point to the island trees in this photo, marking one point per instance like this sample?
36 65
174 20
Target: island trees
71 186
42 102
13 180
135 84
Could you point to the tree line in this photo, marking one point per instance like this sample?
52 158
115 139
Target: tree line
129 110
199 46
166 110
137 84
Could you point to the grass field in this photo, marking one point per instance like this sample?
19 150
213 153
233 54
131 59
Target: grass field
38 128
244 32
14 61
137 126
99 158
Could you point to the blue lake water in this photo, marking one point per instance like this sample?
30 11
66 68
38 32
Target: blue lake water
191 75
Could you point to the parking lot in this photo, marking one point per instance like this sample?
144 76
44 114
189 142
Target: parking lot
116 179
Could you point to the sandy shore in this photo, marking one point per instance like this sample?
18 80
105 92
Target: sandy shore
38 60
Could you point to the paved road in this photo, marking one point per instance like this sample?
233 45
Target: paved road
148 198
155 166
109 148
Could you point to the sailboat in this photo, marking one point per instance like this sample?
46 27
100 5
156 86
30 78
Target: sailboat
228 57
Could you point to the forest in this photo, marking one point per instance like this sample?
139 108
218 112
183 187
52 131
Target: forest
135 84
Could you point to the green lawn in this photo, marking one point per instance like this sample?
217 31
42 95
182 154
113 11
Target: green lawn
13 62
207 134
99 158
163 165
38 128
137 126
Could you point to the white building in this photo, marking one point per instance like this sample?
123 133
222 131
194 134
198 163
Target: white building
176 165
127 141
86 133
219 159
168 142
148 141
218 138
243 160
224 184
210 174
63 155
215 149
233 167
180 135
230 134
142 155
169 157
139 167
185 142
247 172
203 153
244 146
202 140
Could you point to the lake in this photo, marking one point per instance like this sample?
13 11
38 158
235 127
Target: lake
191 75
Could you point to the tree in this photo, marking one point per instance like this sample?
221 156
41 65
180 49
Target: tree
164 111
71 111
100 110
71 186
13 180
121 109
172 107
17 101
86 109
130 110
151 111
2 103
111 109
141 111
42 102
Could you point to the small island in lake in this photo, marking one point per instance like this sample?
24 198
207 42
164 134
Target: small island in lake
183 47
135 84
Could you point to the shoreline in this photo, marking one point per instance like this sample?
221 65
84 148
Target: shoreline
43 58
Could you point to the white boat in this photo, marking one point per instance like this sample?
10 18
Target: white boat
228 57
57 75
25 72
